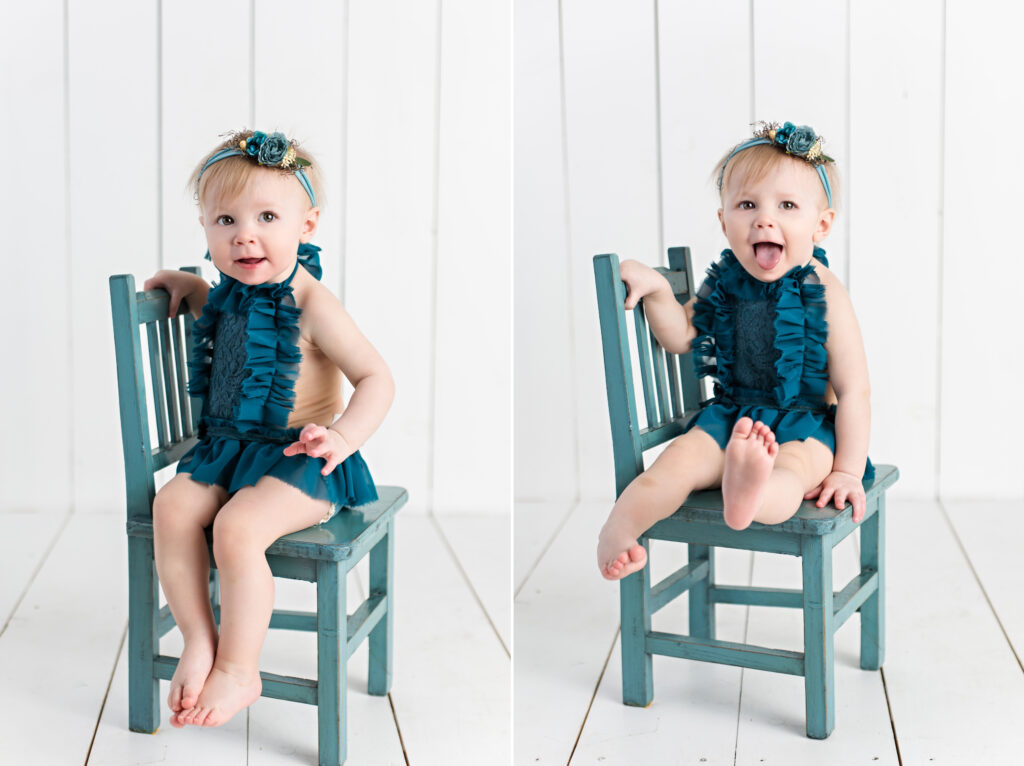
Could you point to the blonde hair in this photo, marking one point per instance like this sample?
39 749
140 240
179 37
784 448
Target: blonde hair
756 162
227 178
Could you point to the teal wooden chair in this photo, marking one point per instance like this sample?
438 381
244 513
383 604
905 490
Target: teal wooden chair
670 394
321 554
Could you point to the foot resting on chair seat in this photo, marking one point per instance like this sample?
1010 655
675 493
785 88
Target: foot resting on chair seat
749 459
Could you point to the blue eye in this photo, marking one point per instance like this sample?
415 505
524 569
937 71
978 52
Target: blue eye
268 217
225 220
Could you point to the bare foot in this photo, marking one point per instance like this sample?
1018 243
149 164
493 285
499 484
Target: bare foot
223 695
189 677
749 459
618 553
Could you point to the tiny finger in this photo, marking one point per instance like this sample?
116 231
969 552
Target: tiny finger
813 493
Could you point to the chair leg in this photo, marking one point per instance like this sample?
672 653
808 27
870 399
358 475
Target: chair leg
143 637
332 662
635 611
382 567
702 611
872 612
819 630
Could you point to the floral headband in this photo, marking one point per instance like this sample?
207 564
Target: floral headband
273 150
800 142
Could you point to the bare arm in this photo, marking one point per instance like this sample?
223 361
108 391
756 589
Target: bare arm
848 374
181 286
332 329
670 322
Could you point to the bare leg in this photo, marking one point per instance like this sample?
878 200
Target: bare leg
243 530
799 468
181 510
693 461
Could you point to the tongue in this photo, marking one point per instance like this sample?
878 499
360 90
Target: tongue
767 255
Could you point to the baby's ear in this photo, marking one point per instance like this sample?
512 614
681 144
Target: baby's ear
309 224
201 221
825 221
721 220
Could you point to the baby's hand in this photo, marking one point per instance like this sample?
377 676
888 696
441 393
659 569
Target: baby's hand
317 441
178 284
842 488
640 280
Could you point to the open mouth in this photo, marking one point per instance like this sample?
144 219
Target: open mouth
249 262
767 254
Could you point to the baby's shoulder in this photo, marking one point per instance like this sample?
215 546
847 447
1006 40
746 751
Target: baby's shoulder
320 307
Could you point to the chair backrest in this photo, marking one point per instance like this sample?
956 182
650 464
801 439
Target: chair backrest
670 391
152 386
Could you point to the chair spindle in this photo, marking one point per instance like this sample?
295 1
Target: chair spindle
157 380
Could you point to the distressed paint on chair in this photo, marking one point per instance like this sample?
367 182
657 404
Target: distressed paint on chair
671 394
322 554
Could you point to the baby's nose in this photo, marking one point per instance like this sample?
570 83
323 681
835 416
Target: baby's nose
244 235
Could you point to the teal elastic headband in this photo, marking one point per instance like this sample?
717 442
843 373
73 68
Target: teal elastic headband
800 142
273 150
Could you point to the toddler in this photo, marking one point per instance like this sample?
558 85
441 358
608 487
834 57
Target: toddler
270 347
774 327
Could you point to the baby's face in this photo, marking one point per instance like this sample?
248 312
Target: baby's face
773 224
255 237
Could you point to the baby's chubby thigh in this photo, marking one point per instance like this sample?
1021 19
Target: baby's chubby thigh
256 516
184 504
692 461
811 461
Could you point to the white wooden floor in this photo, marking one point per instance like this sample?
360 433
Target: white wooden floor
63 684
951 690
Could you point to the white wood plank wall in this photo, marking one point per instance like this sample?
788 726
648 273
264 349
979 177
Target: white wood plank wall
407 106
623 108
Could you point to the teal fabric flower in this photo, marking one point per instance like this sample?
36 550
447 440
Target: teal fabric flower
801 140
273 149
253 143
782 134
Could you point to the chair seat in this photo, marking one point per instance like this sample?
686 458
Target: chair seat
334 541
706 508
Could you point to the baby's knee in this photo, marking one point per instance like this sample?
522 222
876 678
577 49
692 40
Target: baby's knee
234 540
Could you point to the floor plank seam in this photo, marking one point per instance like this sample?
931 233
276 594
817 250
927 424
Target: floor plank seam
469 583
892 720
554 536
35 572
401 740
739 697
593 696
106 693
977 578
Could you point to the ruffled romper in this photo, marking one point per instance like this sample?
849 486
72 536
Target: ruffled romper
245 361
763 343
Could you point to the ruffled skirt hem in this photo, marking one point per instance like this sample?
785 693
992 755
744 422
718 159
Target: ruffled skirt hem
234 464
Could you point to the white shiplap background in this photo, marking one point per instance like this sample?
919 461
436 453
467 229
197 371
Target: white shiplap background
105 109
623 108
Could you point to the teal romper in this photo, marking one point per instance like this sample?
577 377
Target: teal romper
245 359
763 344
